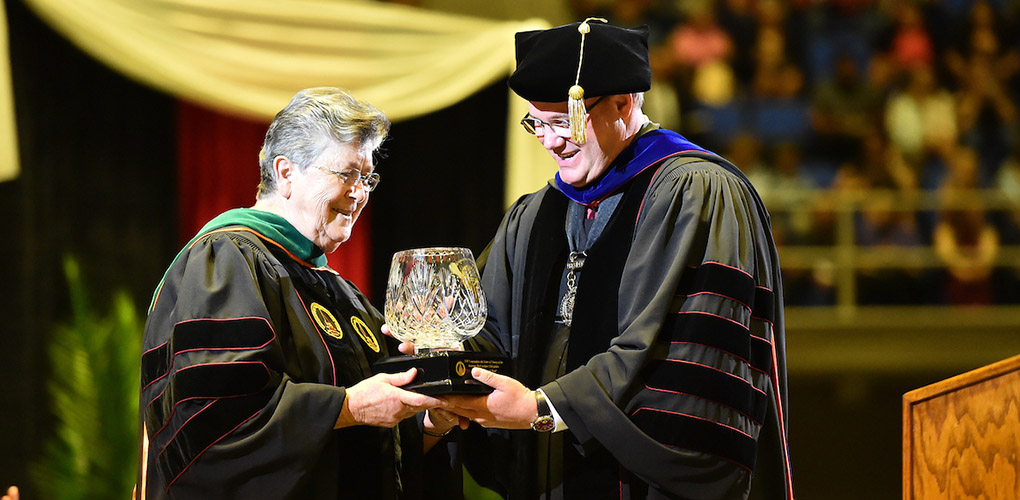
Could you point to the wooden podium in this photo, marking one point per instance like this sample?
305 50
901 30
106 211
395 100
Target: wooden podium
961 436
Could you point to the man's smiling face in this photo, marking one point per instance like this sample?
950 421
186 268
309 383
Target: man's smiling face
579 164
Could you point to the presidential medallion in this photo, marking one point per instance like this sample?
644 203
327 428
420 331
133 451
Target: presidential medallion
574 265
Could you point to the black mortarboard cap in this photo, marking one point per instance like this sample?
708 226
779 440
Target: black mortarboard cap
613 60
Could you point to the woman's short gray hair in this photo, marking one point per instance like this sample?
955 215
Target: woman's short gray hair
314 118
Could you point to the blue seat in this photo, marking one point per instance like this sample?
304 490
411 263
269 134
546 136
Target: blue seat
720 124
781 120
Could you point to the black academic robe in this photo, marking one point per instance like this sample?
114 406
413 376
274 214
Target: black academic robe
673 380
249 345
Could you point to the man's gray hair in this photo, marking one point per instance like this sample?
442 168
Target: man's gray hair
639 99
314 118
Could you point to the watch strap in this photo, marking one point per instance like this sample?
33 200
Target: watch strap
545 421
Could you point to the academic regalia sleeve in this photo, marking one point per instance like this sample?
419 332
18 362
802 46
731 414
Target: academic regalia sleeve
222 417
496 265
487 452
680 396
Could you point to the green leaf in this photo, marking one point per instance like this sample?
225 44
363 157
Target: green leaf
93 395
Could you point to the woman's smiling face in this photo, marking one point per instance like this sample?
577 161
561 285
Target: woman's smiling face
322 206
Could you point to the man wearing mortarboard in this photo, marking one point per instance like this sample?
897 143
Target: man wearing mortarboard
639 293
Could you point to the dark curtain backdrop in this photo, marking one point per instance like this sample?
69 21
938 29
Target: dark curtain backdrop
97 182
119 175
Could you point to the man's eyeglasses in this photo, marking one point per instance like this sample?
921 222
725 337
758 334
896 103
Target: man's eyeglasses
559 126
352 176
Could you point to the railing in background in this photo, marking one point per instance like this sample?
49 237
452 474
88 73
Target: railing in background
846 335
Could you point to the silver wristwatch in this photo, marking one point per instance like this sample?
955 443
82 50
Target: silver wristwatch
544 422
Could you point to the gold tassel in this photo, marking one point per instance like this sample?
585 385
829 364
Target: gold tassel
575 102
575 107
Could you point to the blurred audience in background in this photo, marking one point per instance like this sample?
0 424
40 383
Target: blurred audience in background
902 116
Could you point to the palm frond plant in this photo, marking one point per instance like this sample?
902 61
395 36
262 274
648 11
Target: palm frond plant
93 390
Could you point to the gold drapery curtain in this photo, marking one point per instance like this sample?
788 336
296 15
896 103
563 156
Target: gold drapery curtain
250 56
8 129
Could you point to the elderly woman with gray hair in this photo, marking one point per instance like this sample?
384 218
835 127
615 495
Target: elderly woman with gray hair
256 379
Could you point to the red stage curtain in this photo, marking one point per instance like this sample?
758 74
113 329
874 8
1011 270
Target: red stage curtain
217 158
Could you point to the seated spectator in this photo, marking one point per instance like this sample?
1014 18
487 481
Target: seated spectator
910 46
884 223
770 61
1007 182
818 287
849 186
883 166
700 39
967 244
985 32
738 18
964 240
795 189
844 109
697 49
745 150
986 112
780 110
714 84
780 113
962 170
788 19
921 118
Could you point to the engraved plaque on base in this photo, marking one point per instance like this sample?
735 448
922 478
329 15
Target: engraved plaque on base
445 372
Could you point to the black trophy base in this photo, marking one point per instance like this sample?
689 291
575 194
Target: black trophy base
445 372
